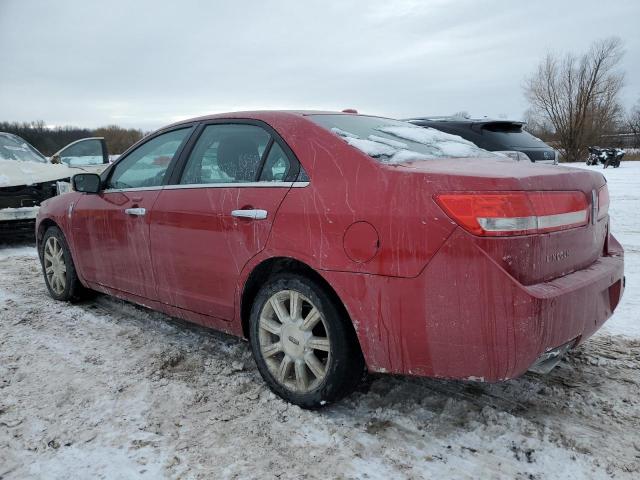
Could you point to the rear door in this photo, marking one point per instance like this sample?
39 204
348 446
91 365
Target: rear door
218 214
111 228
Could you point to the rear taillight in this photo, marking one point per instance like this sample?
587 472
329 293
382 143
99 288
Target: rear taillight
515 213
603 202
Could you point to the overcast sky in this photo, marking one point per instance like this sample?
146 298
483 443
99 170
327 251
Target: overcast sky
148 63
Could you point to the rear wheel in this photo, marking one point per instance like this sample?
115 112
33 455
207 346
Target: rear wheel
58 267
303 345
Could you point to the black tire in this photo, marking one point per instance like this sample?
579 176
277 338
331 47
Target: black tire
73 289
343 367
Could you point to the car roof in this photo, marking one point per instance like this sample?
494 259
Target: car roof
257 114
264 115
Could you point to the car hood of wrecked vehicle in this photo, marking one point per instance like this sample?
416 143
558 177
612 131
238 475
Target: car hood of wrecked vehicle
19 172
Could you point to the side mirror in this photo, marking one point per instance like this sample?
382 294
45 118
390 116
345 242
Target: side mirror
86 182
55 159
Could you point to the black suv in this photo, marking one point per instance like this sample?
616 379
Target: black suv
503 136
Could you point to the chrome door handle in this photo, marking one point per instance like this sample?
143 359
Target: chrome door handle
135 211
253 214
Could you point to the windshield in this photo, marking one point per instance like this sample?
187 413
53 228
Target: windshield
15 148
392 141
512 135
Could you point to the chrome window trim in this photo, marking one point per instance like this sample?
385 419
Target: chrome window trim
132 189
239 185
211 185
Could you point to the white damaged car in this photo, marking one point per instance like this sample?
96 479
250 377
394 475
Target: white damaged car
27 178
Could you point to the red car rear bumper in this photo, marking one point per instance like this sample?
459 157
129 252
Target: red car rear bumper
465 317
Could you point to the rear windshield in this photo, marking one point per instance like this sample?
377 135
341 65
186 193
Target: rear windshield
14 148
512 135
392 141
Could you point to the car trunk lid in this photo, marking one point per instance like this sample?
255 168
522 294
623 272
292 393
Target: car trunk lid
529 257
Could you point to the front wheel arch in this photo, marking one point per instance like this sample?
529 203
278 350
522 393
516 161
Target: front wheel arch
42 228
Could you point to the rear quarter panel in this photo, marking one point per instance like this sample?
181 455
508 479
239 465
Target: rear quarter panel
346 186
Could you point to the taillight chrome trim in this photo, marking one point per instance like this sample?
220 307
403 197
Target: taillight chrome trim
515 224
603 202
539 223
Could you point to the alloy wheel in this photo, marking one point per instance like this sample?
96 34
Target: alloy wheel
54 265
294 341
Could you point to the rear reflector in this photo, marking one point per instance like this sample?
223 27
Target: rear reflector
515 213
603 202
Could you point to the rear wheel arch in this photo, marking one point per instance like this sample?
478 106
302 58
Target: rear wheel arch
277 265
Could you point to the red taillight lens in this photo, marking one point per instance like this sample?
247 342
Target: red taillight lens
515 213
603 202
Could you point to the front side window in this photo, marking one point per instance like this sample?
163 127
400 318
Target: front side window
85 152
147 165
226 154
393 141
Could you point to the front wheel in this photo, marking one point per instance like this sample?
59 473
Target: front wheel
303 345
58 267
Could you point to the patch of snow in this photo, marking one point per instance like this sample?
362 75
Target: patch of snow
371 148
25 172
9 251
444 144
424 135
624 193
402 156
388 141
391 151
82 161
343 133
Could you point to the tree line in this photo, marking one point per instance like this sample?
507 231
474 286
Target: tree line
50 140
575 101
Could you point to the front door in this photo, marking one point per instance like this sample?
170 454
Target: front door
111 228
88 155
205 228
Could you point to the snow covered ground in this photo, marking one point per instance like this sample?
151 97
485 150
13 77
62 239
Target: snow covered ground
105 389
624 189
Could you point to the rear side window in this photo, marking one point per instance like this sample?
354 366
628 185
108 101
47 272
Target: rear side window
226 153
512 135
392 141
276 166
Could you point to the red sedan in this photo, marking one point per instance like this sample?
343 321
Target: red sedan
341 242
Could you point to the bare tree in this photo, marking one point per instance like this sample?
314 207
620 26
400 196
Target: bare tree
461 114
633 123
539 126
118 139
578 95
